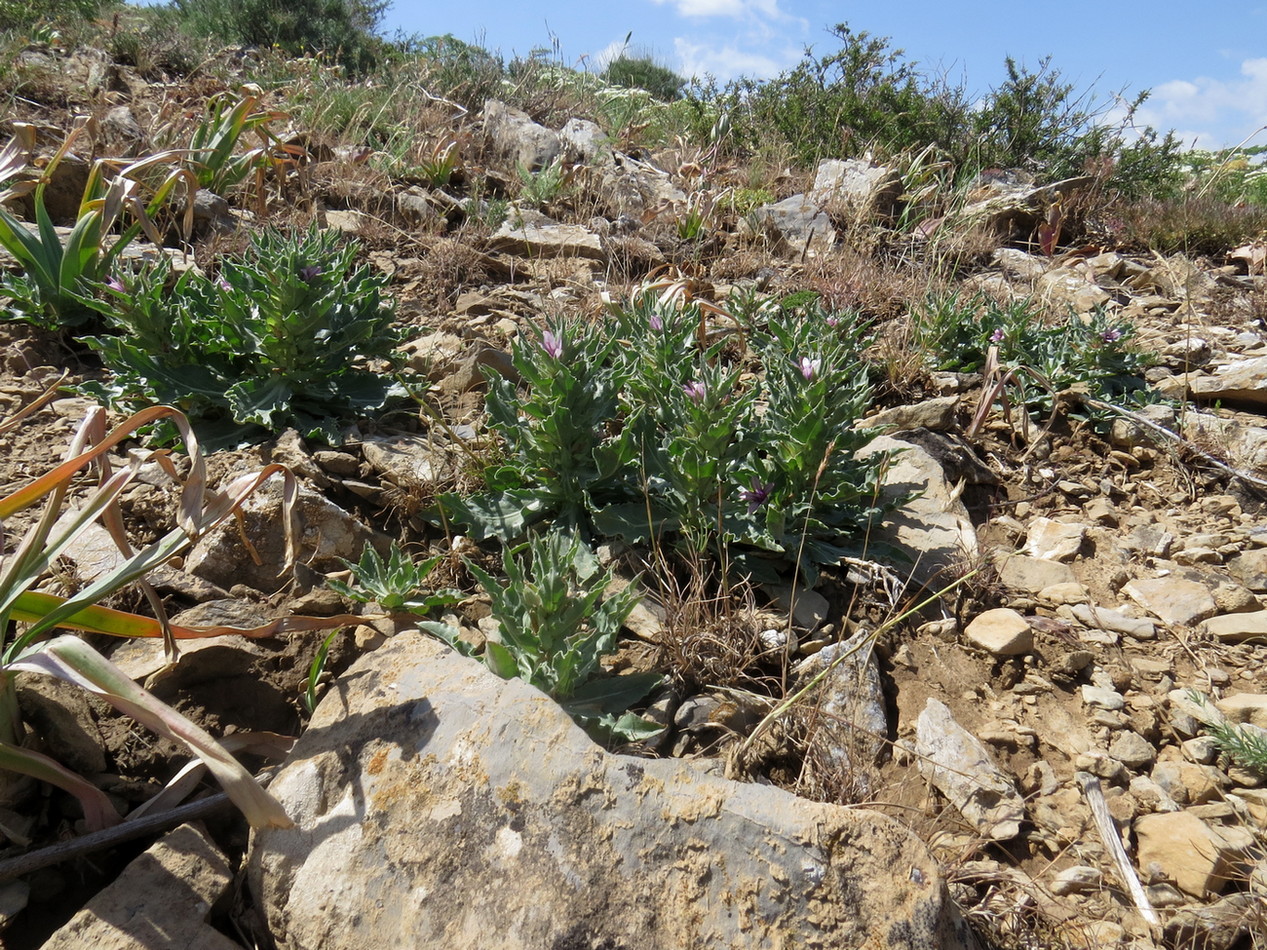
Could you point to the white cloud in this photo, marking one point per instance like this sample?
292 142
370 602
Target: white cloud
735 9
707 8
1212 112
611 51
727 61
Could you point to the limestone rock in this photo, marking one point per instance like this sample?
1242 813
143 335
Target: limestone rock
1244 382
1245 707
1233 628
933 528
960 767
1180 847
161 899
1233 921
1071 287
94 553
1188 783
513 134
547 240
1250 568
326 533
406 461
1032 574
585 141
1054 540
937 414
1018 265
423 780
1102 618
851 725
120 134
1102 696
1002 632
855 186
801 222
1076 879
1175 601
211 214
1014 208
809 608
1132 749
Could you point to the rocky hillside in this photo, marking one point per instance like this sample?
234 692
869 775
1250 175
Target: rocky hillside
918 531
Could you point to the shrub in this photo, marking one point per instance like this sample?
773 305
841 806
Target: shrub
866 97
555 623
1192 225
1092 354
280 338
342 28
842 103
150 39
642 72
23 14
456 70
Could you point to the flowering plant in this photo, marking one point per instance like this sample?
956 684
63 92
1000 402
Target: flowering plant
654 429
279 339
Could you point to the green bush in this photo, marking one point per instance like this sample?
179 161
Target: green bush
867 97
635 429
279 339
457 70
150 39
843 103
642 72
23 14
1092 354
343 29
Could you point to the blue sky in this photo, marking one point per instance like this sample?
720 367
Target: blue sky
1205 62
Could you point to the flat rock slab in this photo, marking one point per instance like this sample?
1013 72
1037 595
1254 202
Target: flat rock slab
961 768
1233 628
437 805
1239 382
551 240
933 528
1175 601
160 900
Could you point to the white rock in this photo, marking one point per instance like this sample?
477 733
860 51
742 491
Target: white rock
1175 601
1181 848
1054 540
1233 628
1002 632
1077 879
960 767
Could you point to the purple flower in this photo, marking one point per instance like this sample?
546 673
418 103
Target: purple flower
810 367
116 285
223 284
552 343
655 322
1111 336
310 273
757 495
833 321
695 390
997 335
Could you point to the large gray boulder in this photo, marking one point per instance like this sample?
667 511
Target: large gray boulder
437 805
512 134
